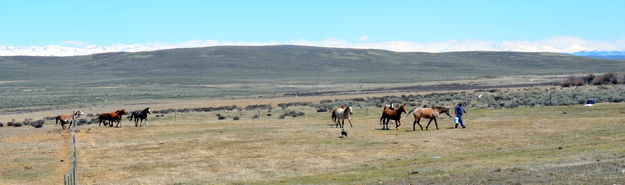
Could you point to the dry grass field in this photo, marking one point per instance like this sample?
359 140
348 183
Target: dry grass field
559 144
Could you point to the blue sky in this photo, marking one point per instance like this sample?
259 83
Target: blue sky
106 23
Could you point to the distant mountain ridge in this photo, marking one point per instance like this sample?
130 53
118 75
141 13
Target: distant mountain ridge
602 54
288 63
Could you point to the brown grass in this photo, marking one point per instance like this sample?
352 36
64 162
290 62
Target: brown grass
500 146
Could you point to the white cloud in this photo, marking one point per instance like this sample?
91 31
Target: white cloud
363 38
555 44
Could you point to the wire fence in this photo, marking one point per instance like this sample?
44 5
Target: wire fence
70 177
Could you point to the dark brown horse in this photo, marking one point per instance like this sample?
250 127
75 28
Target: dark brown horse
392 114
68 119
140 116
112 117
431 113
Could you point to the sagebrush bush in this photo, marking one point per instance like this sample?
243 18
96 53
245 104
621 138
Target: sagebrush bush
606 79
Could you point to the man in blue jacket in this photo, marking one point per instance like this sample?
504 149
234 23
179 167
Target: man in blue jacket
459 111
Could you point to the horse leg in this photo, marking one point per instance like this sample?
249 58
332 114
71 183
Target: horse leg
397 124
385 125
436 123
350 122
426 127
419 123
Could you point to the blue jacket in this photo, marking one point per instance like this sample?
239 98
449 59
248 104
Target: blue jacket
460 110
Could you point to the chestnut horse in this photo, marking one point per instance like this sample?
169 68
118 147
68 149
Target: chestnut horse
112 117
341 114
389 114
383 117
431 113
68 119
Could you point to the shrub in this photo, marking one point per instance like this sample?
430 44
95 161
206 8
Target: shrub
38 123
573 81
322 110
82 121
588 78
236 118
1 125
220 117
10 123
17 124
606 79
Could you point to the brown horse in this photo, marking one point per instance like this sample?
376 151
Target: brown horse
392 114
431 113
68 119
112 117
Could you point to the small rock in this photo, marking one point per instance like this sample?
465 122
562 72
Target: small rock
62 160
414 172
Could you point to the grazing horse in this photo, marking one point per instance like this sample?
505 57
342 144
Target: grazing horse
341 114
112 117
431 113
140 115
389 114
68 119
334 116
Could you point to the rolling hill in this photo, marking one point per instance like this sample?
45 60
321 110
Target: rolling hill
234 64
255 70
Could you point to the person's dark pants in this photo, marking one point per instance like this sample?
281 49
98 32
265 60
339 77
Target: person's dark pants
460 121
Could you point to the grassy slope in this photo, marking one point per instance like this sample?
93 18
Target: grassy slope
244 71
500 146
232 64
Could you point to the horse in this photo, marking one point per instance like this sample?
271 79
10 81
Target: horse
431 113
383 117
112 117
140 115
341 114
68 119
389 114
334 116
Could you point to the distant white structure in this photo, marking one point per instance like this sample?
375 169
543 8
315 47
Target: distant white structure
590 103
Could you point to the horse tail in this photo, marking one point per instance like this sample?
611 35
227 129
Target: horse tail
334 115
57 119
131 116
410 112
